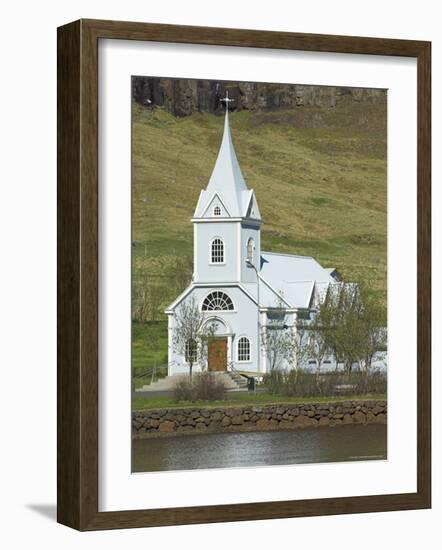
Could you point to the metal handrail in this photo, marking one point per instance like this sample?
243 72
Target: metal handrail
152 372
234 369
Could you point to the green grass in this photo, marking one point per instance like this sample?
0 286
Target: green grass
239 399
320 177
149 349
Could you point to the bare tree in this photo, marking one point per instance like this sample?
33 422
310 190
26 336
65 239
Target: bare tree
191 334
317 346
371 334
301 335
278 339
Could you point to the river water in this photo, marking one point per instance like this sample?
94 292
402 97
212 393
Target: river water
233 450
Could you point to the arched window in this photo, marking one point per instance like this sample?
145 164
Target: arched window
217 251
191 351
217 211
243 350
250 247
217 301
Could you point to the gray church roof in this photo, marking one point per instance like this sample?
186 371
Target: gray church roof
227 183
295 278
296 281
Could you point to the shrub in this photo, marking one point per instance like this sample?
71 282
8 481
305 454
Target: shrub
208 387
182 389
275 381
305 383
204 386
372 382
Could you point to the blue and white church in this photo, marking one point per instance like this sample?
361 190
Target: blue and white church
237 286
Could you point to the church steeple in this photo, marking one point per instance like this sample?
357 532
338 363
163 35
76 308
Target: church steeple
227 185
226 222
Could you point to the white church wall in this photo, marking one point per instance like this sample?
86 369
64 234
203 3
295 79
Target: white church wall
242 321
222 272
379 363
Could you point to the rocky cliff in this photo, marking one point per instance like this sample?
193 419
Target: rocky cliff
182 97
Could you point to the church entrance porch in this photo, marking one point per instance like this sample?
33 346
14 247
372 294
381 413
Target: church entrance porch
217 354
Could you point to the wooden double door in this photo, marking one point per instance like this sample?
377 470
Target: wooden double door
217 354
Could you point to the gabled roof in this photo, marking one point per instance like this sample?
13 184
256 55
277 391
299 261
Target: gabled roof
252 208
247 289
227 181
268 296
216 200
296 278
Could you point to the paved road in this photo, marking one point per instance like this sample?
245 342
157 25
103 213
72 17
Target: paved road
153 394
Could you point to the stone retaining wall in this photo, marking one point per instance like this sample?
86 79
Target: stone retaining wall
154 423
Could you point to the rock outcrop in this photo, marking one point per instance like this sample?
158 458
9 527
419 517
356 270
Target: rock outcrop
182 97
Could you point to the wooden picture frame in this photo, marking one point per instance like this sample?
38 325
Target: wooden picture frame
77 460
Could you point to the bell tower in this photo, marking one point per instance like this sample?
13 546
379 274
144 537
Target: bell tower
226 221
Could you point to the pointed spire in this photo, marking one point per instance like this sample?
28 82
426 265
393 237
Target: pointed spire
226 180
227 164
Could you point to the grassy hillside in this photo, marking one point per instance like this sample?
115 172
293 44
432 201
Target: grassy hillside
320 177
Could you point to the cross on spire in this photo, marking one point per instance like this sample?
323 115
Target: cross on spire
226 100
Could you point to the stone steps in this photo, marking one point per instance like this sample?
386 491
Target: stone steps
240 381
163 384
232 381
